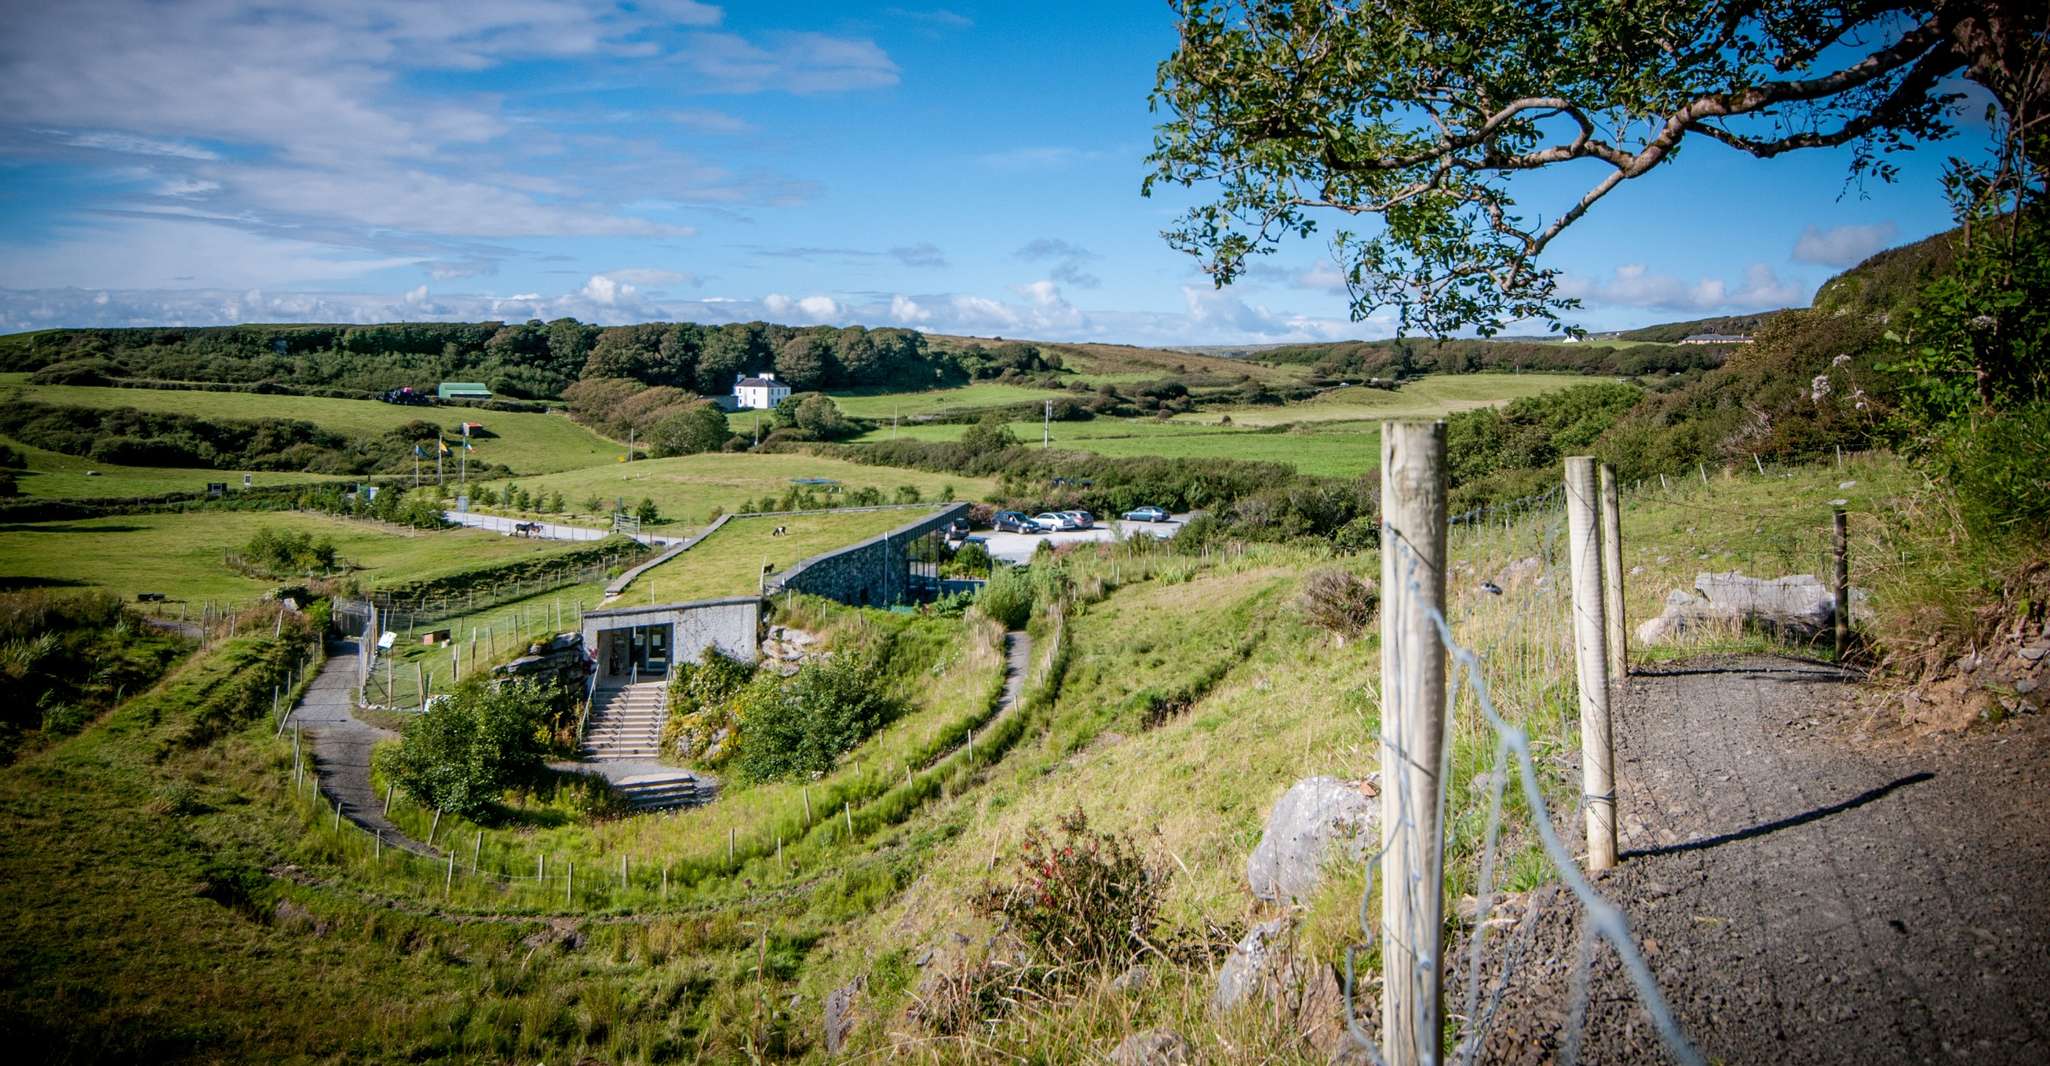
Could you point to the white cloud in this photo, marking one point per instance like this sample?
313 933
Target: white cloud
1633 285
907 311
129 143
1040 311
603 290
1842 246
801 63
653 277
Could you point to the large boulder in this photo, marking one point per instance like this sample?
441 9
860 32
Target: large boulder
1798 607
1317 821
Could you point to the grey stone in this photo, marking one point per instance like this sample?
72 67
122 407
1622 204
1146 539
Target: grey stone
1246 970
2035 652
839 1017
2025 686
1797 606
1317 820
1153 1047
1135 978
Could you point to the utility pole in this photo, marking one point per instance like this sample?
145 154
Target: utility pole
464 472
1046 427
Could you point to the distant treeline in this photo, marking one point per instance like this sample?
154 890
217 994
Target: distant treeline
1674 332
131 437
1357 360
532 360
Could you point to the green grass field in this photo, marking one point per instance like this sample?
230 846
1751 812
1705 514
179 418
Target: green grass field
1426 397
1333 450
729 562
528 443
869 403
688 489
180 554
55 475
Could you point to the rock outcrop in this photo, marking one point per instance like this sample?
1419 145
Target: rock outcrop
1317 821
1797 606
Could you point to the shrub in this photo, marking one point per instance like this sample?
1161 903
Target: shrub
1337 600
1007 597
465 750
805 724
286 553
1085 901
1995 466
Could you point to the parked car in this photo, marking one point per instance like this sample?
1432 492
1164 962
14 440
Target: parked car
1083 519
1147 514
1057 520
958 529
1014 522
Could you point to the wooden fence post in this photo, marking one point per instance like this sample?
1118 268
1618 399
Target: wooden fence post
1842 536
807 806
1412 739
569 885
1590 654
1612 575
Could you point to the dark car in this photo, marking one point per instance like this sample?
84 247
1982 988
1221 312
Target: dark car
958 529
1146 514
1014 522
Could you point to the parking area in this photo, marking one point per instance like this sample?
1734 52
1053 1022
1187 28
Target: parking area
1018 547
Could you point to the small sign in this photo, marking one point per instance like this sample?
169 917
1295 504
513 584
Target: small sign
462 505
385 639
248 480
372 490
216 489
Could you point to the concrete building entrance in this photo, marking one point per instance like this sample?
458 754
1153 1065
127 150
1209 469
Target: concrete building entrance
633 653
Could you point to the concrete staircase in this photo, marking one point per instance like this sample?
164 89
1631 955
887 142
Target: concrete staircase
626 722
663 791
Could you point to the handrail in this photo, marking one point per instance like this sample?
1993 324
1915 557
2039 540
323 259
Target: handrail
584 717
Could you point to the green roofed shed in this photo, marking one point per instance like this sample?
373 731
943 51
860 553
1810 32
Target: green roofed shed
463 390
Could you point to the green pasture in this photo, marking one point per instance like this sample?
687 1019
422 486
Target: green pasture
1334 450
689 489
1430 396
55 475
180 555
883 405
526 442
730 562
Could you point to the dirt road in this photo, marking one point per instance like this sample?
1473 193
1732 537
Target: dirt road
1803 893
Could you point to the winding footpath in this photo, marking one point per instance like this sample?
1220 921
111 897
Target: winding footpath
342 743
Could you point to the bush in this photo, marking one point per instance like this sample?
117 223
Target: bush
1007 598
804 725
1086 901
281 553
1995 467
1338 601
466 749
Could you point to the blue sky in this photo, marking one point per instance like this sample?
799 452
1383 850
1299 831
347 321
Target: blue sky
973 168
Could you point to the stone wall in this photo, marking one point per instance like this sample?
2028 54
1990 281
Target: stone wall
873 573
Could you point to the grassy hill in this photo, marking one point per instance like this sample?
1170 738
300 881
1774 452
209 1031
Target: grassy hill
179 902
526 442
180 555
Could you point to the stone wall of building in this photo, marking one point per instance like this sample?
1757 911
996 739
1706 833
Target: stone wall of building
873 573
733 626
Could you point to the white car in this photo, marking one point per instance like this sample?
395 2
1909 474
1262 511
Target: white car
1059 521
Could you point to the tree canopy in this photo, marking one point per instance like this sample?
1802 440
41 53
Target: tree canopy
1421 113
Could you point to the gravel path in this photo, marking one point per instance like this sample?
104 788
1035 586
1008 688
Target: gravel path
341 745
1803 894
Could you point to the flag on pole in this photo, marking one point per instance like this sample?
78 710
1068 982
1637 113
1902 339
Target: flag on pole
444 445
419 453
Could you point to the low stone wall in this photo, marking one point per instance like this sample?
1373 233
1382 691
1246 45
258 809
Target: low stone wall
873 573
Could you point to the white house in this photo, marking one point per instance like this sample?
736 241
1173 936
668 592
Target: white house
761 393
